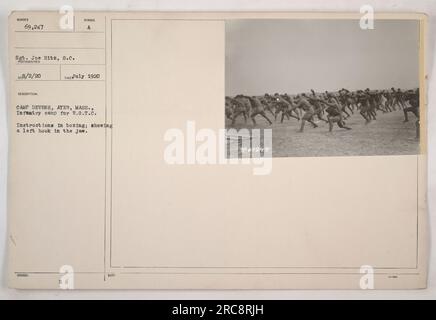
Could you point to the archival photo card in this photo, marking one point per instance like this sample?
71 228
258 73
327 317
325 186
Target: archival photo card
118 174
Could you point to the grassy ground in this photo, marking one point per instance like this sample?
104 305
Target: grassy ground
388 135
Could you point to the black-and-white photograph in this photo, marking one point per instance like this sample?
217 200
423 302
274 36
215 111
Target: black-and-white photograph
325 87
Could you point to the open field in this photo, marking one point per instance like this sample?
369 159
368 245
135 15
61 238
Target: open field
388 135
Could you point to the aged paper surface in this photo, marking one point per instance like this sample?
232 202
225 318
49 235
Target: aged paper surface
92 200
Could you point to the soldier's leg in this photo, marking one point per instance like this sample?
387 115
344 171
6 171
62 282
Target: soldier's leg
283 116
297 113
285 113
402 103
320 117
309 118
289 113
341 124
330 125
244 113
347 115
349 108
252 117
363 113
303 122
262 113
228 113
276 113
406 118
235 115
313 123
373 113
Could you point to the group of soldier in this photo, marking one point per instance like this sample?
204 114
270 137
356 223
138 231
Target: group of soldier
330 107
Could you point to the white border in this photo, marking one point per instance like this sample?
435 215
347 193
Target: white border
424 6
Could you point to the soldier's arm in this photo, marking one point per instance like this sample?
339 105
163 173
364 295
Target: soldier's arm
329 103
285 101
298 104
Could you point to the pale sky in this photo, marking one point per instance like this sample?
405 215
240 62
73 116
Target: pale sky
268 56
